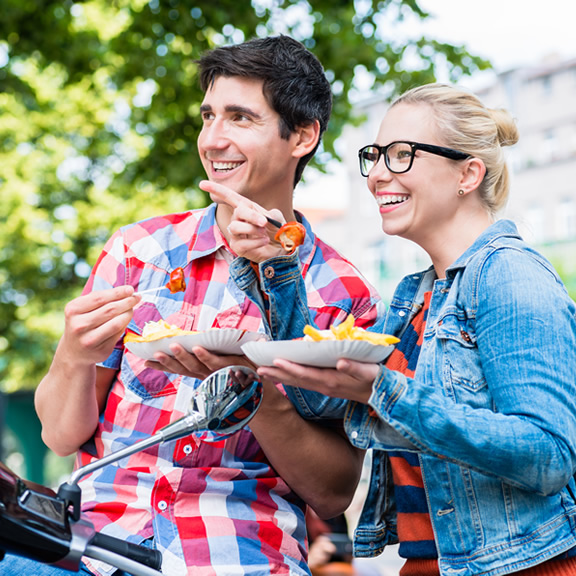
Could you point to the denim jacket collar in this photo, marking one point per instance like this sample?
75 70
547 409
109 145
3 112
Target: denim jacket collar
500 229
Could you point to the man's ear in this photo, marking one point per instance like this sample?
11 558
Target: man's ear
472 174
306 138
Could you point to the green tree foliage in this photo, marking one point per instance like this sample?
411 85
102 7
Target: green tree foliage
99 106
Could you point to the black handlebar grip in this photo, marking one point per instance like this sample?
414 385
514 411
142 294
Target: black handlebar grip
147 556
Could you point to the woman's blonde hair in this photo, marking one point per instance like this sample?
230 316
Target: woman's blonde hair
465 124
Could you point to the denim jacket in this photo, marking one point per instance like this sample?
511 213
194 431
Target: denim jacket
491 409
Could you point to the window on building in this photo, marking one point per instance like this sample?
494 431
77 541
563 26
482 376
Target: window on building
549 147
534 220
566 219
546 85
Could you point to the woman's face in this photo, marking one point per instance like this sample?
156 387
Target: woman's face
419 204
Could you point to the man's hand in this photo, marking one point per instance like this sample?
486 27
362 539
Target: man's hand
249 233
94 323
199 363
71 396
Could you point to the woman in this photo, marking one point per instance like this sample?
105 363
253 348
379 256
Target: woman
473 418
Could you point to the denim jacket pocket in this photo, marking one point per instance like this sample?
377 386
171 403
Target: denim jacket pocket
464 377
147 382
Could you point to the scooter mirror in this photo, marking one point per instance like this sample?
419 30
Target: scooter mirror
35 523
225 402
222 404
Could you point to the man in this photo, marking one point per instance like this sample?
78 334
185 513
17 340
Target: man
236 506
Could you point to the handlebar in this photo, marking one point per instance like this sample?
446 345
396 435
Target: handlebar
37 523
127 564
34 523
146 556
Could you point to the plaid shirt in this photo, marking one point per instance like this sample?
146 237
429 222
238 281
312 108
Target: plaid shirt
213 508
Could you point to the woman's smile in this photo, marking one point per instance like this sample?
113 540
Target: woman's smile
388 201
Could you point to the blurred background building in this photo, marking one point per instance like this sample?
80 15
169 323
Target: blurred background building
542 202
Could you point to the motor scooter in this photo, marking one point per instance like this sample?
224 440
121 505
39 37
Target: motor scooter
46 526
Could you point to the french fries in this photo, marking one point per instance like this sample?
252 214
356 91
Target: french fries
347 331
156 331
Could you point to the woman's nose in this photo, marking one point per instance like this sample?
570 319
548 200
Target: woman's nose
380 170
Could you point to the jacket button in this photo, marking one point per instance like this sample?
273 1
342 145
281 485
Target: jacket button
354 434
465 336
269 272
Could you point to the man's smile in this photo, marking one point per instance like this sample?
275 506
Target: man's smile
222 166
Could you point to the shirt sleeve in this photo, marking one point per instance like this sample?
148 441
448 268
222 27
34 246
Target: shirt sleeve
505 403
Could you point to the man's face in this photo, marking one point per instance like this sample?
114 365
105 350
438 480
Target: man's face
240 144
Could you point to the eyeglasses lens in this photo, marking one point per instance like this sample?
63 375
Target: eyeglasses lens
368 159
398 157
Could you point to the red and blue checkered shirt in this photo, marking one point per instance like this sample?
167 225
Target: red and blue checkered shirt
213 508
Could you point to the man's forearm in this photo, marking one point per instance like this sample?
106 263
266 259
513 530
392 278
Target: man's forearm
67 405
317 462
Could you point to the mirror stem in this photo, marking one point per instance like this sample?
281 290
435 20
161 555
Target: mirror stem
173 431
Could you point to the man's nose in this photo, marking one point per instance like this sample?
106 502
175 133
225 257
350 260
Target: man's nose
214 136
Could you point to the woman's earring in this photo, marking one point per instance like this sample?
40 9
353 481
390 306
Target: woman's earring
460 192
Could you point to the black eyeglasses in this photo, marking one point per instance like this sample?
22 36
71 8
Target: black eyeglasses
399 156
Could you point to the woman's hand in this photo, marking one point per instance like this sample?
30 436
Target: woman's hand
350 380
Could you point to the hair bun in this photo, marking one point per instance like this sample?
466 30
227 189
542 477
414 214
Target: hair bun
506 125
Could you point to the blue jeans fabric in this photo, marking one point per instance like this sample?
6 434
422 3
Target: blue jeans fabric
13 565
20 566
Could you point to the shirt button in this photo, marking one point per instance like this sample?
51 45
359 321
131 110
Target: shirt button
401 313
187 449
162 505
354 434
269 272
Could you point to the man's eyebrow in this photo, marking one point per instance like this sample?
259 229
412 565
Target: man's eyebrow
235 109
242 110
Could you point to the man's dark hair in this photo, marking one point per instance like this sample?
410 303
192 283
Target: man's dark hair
294 83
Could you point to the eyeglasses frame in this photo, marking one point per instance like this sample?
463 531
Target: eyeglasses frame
414 146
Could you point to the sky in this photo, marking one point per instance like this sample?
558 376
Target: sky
509 33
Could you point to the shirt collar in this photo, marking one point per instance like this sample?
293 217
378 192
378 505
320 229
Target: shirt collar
306 250
208 237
